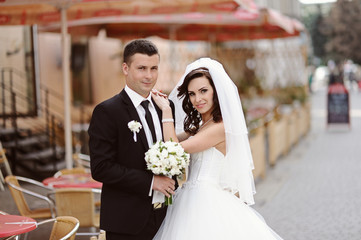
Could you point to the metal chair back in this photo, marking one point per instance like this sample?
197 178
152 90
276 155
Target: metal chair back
18 192
64 227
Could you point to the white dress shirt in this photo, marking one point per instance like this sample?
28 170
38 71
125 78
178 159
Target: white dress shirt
137 100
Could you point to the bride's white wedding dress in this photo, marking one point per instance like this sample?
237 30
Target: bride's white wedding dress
203 210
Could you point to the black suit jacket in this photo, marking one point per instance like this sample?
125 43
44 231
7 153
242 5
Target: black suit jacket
118 162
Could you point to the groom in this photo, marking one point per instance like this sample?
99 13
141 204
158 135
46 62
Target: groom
117 150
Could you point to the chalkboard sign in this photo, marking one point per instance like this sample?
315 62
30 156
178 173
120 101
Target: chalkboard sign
338 107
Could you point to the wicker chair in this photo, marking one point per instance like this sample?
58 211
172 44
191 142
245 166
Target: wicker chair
66 171
64 227
101 236
77 170
84 211
82 160
18 192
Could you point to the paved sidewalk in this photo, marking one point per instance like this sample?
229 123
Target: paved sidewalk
315 191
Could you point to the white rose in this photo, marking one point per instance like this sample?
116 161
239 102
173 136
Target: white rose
179 151
152 153
167 144
172 149
174 172
157 171
156 146
164 162
173 161
164 153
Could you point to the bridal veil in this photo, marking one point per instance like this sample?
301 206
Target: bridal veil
236 176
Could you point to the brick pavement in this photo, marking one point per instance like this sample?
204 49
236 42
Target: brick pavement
315 191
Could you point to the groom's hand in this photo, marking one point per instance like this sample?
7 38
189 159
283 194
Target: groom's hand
164 184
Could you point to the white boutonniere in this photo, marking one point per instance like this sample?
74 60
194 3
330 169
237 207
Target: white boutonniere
135 127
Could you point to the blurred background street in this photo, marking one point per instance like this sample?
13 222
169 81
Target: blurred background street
314 192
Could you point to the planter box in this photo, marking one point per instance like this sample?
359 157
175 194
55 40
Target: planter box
277 138
257 143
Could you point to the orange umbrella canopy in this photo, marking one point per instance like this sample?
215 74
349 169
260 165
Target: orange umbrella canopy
215 20
236 24
46 12
43 12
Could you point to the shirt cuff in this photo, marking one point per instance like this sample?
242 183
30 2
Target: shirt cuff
151 186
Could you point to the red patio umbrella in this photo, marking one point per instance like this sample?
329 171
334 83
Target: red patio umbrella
215 20
44 12
238 24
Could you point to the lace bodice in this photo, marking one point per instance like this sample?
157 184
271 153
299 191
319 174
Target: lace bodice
206 166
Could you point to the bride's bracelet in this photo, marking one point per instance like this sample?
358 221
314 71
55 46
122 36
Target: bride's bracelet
166 120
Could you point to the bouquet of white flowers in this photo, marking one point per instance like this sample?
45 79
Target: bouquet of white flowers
168 159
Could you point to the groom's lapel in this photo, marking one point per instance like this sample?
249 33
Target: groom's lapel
133 114
159 113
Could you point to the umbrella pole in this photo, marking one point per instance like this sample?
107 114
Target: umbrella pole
66 78
172 53
212 50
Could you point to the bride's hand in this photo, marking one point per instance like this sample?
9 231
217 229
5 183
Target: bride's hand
160 99
156 92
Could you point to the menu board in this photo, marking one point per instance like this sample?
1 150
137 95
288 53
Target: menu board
338 107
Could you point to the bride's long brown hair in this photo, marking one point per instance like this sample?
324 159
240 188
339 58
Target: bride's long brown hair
193 118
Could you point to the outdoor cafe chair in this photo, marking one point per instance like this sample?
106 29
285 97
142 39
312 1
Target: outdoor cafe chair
79 203
82 160
101 236
3 163
64 227
67 171
77 170
18 192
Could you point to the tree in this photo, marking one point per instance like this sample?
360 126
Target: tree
313 16
343 26
318 38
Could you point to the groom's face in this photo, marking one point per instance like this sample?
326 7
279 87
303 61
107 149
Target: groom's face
142 72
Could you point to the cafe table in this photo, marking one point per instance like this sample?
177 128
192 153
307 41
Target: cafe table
79 180
12 225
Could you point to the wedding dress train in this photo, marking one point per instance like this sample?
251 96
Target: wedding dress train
203 210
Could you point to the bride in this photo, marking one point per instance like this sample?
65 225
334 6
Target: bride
214 202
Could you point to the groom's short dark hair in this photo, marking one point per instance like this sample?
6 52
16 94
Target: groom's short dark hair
142 46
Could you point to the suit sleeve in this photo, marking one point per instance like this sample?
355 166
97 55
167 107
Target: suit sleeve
173 112
173 109
105 167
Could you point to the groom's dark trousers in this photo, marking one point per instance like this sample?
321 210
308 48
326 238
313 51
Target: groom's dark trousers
117 160
148 232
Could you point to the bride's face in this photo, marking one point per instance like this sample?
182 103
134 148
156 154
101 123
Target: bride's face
200 94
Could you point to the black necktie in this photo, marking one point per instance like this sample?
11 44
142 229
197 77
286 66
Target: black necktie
148 117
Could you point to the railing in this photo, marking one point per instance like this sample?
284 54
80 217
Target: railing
25 97
15 96
79 116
